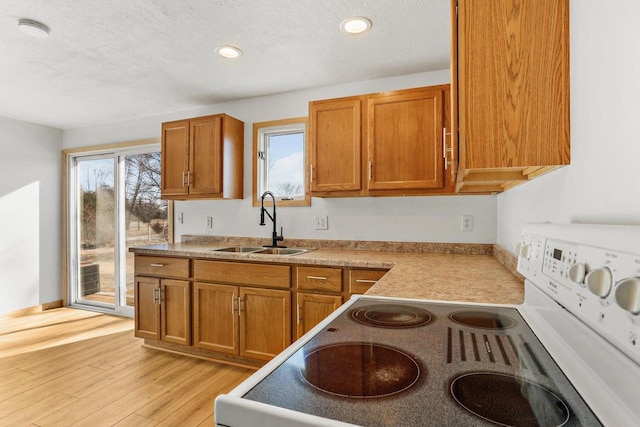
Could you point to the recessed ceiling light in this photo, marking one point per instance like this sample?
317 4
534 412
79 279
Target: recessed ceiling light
33 28
356 25
228 51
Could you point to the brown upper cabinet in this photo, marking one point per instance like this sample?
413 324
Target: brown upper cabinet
382 144
511 62
203 158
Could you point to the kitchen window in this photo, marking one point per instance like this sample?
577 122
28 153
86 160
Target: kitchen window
279 161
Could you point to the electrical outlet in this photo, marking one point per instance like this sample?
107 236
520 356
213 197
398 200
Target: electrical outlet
321 223
209 222
181 218
466 223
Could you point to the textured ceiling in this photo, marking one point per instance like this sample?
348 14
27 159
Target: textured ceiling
107 61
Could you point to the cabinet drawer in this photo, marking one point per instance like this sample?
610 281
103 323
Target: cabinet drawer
320 279
162 266
242 273
361 280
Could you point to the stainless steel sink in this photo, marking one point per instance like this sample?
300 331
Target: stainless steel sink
239 249
262 250
282 251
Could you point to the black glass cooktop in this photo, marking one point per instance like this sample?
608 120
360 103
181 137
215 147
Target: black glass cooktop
449 364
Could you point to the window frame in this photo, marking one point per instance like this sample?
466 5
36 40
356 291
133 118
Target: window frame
278 126
68 157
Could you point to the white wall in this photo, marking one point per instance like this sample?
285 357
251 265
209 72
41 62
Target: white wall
431 219
602 184
30 214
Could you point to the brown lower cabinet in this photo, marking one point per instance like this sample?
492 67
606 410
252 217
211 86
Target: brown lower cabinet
243 321
163 309
242 309
313 308
239 312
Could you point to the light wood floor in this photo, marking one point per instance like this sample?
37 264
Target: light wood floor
68 367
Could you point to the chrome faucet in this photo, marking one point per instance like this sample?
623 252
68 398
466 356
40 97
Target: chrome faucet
275 238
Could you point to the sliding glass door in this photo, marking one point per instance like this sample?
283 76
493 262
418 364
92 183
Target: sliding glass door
114 204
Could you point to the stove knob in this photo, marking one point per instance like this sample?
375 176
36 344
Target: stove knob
523 250
599 281
628 294
577 272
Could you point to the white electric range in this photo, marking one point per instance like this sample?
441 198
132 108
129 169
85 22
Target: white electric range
568 356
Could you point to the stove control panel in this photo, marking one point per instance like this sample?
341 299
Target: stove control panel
530 251
598 284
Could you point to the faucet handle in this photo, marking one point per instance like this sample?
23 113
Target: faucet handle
280 237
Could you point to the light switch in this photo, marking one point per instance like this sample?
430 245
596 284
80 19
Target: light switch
321 223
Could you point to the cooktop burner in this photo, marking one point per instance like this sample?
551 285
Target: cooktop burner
508 400
360 370
391 316
482 319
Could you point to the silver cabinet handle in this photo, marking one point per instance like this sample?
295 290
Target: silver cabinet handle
446 150
233 304
366 281
311 175
183 183
157 265
316 278
444 147
189 178
239 307
157 297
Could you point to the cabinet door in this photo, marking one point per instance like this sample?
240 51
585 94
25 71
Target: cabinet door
176 311
265 322
215 317
513 84
205 156
405 140
175 158
335 140
313 308
147 310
